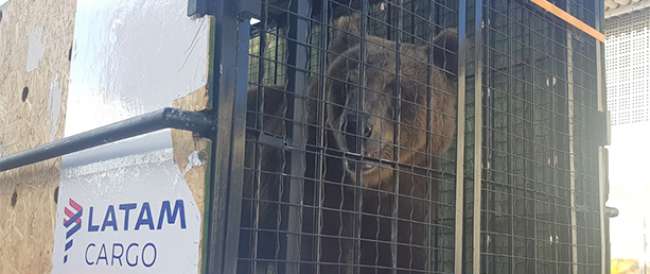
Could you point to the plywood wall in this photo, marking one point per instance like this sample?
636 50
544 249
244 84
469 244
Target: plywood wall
35 42
189 148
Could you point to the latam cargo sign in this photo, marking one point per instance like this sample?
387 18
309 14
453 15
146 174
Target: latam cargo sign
116 218
133 219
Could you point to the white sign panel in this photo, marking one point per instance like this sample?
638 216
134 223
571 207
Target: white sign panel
127 215
125 207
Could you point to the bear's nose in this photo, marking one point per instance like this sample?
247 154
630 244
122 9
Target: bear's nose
367 130
356 130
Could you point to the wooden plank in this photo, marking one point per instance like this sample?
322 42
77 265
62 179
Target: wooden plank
35 43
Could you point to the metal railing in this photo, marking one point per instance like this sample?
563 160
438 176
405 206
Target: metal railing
197 122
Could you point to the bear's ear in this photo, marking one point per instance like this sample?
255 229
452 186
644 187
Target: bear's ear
445 51
274 102
345 35
274 96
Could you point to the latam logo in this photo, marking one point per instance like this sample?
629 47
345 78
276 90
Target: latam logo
105 226
73 212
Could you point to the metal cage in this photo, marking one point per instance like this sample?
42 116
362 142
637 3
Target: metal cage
538 82
397 136
517 190
311 202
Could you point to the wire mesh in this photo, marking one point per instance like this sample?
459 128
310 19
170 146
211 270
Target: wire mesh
627 86
351 148
540 203
349 156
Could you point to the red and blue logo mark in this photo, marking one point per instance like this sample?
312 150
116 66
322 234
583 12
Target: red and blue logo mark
72 223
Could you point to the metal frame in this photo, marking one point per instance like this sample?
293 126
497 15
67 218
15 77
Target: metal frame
153 121
228 78
572 149
603 156
297 86
460 138
478 137
480 40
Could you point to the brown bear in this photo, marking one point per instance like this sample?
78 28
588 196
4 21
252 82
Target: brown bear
380 128
385 131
